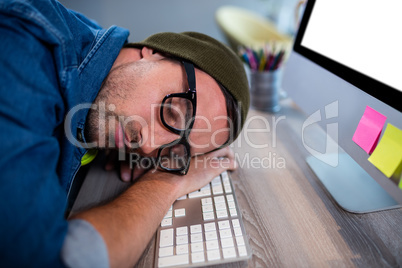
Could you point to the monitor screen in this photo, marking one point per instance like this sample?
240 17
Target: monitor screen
346 57
357 41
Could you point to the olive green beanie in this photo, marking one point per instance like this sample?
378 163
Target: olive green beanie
209 55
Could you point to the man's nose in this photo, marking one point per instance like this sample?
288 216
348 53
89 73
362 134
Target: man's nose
153 139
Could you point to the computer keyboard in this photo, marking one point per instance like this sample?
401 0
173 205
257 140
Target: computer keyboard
203 228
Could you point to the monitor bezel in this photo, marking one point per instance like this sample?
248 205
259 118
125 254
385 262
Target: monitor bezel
375 88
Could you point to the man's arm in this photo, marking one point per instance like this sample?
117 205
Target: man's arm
128 223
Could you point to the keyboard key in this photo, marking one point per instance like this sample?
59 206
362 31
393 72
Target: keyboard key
216 181
182 249
219 199
209 226
225 233
217 189
197 247
207 208
168 214
167 251
235 223
182 197
223 225
233 212
197 257
181 230
227 242
229 197
182 239
173 260
229 253
195 228
225 176
240 241
221 214
180 212
242 251
206 187
213 255
166 222
213 244
237 231
196 238
231 204
206 201
211 236
199 193
220 206
206 192
208 216
166 238
228 188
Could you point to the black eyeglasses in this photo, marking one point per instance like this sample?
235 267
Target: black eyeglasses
178 114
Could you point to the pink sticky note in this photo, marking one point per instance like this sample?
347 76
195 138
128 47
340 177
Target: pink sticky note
369 129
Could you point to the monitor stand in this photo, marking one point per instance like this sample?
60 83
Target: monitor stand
351 186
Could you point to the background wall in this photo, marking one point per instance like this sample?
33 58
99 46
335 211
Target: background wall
147 17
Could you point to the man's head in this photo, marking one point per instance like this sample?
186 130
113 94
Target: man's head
144 73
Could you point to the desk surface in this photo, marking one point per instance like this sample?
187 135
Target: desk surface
289 218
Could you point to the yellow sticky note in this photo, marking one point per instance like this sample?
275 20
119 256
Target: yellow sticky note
387 156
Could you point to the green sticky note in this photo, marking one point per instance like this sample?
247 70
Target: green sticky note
387 156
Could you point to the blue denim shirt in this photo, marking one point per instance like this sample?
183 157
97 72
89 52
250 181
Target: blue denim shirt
51 59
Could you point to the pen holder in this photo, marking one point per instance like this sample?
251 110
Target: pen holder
265 90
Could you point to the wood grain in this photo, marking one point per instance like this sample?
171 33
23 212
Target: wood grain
290 219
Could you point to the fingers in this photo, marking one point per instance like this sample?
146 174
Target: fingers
129 173
226 152
125 172
224 163
223 159
111 160
214 163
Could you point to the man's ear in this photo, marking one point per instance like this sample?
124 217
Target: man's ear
129 54
151 54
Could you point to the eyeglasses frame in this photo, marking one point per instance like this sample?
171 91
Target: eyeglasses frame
184 133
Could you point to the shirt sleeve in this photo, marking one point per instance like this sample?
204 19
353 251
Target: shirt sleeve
32 201
84 246
33 229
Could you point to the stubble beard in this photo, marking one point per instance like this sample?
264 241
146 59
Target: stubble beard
117 86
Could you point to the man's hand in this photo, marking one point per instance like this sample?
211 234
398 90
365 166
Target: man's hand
126 172
203 168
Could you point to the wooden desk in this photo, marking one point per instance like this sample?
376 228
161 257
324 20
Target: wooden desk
289 218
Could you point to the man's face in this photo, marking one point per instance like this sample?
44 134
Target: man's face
127 111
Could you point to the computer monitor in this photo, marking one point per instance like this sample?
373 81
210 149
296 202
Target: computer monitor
347 55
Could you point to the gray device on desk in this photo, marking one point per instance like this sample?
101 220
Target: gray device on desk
203 228
338 67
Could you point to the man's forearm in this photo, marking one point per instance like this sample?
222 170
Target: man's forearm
128 223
